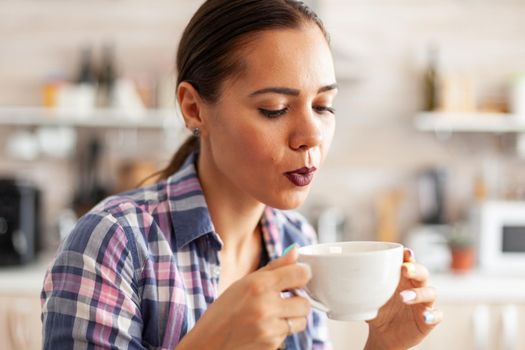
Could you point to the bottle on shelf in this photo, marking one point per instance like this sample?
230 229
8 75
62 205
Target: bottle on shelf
86 72
431 79
51 90
106 77
480 191
84 92
517 96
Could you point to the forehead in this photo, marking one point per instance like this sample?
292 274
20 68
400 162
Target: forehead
296 58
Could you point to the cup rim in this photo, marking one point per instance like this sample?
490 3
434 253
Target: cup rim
391 246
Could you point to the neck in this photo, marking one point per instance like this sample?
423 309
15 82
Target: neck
234 213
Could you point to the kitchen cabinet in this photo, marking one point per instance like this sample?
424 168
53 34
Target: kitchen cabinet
476 326
20 325
479 326
481 312
471 326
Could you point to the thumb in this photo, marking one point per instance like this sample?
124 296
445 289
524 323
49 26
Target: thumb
290 257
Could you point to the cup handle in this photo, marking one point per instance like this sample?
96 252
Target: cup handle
315 303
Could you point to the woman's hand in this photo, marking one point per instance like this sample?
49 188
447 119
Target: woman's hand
251 314
408 316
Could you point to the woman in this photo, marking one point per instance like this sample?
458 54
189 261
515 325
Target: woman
194 262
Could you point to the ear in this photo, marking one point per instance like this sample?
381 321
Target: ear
191 105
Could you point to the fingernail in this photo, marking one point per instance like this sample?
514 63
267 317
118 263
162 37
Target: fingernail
411 254
308 268
290 247
408 295
411 268
429 317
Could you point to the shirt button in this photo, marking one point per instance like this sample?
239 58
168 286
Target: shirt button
215 271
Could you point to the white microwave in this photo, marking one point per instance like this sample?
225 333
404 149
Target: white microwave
502 236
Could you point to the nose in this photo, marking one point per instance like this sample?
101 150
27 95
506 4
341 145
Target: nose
307 132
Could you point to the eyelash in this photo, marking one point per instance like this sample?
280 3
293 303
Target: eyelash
272 114
322 109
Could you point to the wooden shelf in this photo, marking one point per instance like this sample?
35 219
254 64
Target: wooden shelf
470 122
36 116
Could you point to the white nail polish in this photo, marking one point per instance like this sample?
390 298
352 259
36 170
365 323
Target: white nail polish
408 295
428 317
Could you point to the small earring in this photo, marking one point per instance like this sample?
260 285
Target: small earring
196 132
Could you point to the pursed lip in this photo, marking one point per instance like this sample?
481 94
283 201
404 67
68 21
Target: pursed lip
301 177
303 171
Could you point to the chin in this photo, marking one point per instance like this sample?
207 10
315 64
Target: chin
289 201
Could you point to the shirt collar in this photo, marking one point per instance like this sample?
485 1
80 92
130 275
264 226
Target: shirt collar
191 218
271 227
187 205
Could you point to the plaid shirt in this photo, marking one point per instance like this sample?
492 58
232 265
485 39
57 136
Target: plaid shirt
141 268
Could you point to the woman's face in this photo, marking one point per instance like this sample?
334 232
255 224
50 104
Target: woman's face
273 124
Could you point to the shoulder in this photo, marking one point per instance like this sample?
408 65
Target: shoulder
137 210
142 199
97 239
295 228
119 223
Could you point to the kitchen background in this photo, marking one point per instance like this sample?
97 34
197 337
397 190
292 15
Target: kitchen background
394 172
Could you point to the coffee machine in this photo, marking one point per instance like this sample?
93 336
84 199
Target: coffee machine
19 222
429 239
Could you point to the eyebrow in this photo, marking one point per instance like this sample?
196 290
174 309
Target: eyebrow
289 91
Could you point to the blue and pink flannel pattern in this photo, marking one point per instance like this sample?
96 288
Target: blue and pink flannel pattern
141 268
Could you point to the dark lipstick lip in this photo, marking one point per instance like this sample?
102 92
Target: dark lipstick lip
301 177
303 171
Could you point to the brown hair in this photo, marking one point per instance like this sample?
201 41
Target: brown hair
216 30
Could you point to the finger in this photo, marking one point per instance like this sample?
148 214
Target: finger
294 307
408 255
418 295
289 258
293 325
432 317
417 273
291 276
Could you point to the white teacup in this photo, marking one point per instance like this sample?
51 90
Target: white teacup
352 280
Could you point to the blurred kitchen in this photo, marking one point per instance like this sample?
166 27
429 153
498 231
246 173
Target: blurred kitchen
428 151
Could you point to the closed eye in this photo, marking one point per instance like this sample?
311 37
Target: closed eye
273 113
324 109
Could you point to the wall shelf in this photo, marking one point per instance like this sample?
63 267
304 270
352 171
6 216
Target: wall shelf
470 122
37 116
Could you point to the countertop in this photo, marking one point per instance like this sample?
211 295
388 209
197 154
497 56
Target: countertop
479 286
451 288
27 279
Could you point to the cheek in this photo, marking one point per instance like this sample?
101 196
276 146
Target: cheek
248 141
328 136
262 145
